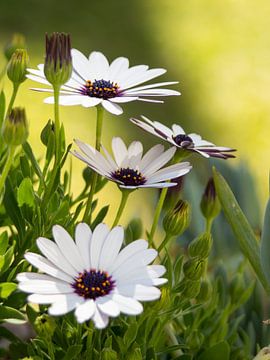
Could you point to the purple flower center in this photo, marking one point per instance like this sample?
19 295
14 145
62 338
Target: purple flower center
102 89
183 140
129 177
93 284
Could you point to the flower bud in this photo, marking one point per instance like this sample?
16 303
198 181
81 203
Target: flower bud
264 354
210 205
191 288
194 269
45 326
205 292
46 132
177 220
17 42
16 69
58 62
15 127
201 246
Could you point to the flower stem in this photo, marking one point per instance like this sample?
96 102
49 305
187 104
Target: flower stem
7 166
208 226
157 214
125 194
13 97
88 212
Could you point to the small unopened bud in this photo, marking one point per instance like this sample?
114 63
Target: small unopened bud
15 127
210 205
17 42
264 354
194 269
177 220
191 288
46 132
16 69
205 292
58 62
45 326
201 246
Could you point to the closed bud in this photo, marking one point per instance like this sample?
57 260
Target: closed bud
210 205
46 132
58 62
191 288
201 246
177 220
45 326
17 42
264 354
15 127
16 69
194 269
205 292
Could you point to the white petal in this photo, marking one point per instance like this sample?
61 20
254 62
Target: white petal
151 86
45 265
159 281
109 158
177 129
149 128
129 76
151 101
39 79
65 304
67 247
151 155
85 311
100 320
123 99
99 66
128 305
45 287
135 151
80 64
156 270
83 235
53 253
35 72
170 172
140 292
90 101
112 108
158 185
119 150
92 164
46 298
28 276
117 67
127 253
145 76
111 247
154 92
159 162
67 100
107 306
99 235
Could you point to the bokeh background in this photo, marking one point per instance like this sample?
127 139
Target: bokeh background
218 50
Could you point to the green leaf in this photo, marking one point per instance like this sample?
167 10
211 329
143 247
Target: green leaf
130 335
100 216
6 259
2 107
25 193
222 350
240 226
265 243
3 242
73 352
10 313
6 289
109 354
28 151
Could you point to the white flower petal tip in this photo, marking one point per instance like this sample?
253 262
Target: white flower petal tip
129 168
94 81
92 275
189 142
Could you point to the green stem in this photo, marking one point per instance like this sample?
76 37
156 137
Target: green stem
88 212
165 241
13 97
157 214
7 166
209 223
125 194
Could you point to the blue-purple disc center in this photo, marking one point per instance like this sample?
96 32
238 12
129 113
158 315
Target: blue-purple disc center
103 89
183 140
129 177
93 284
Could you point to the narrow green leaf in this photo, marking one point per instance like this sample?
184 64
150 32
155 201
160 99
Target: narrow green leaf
265 243
100 216
25 193
222 350
3 242
2 107
73 352
240 226
6 289
10 313
28 151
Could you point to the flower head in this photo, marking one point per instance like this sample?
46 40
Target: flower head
92 275
129 168
16 69
177 137
15 127
94 81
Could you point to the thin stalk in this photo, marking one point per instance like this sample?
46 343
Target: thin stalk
165 241
125 194
157 214
13 97
88 212
208 225
7 167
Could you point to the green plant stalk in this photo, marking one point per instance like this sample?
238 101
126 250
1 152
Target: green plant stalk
7 167
165 241
208 224
13 97
88 212
157 215
125 195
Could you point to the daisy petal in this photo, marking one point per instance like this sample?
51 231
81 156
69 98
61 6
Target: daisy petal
118 66
111 247
98 238
160 161
119 150
140 292
145 76
65 304
99 65
83 235
85 311
45 287
108 306
101 320
123 99
112 108
128 305
80 64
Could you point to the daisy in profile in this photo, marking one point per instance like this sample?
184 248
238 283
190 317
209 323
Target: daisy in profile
177 137
129 168
92 275
94 81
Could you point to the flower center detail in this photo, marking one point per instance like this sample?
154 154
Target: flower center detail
93 284
129 177
183 140
101 89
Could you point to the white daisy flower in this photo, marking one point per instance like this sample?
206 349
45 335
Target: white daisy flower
177 137
129 168
92 275
94 81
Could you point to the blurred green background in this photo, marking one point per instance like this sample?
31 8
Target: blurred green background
219 52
